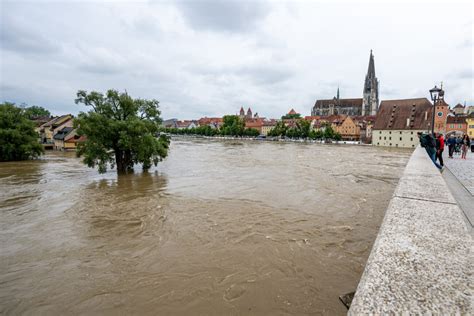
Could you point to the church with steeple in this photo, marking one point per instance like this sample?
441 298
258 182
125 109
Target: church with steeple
367 105
370 103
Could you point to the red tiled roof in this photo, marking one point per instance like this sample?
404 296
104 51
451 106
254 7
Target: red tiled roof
209 120
394 114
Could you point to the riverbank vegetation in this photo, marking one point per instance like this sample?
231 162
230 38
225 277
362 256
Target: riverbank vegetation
234 126
120 131
18 138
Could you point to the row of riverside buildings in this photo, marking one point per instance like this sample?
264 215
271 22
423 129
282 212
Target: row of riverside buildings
390 123
58 132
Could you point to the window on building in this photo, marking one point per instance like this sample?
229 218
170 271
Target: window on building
400 132
390 138
412 145
378 143
390 144
411 138
385 138
400 138
390 132
412 133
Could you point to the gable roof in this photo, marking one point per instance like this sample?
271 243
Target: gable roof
56 121
394 114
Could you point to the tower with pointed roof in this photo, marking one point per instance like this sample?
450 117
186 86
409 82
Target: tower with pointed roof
249 114
370 101
242 112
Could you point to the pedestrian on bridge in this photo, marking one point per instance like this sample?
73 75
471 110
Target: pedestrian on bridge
465 144
428 142
439 148
451 145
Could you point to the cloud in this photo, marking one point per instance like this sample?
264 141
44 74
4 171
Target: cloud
17 37
211 57
464 74
223 15
99 60
258 74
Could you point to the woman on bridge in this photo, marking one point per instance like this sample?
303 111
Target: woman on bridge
465 144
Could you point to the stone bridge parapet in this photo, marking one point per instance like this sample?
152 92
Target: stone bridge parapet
422 261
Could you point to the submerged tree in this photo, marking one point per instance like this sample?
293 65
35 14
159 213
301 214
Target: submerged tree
120 131
18 138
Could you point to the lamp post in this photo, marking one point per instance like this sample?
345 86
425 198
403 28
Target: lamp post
434 97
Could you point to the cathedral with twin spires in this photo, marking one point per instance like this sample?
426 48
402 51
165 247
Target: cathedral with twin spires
367 105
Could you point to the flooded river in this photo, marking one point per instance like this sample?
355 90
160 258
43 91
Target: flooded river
219 228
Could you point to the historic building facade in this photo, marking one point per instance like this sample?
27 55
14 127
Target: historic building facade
398 122
367 105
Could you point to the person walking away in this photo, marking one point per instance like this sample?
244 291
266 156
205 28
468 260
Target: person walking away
440 148
428 142
457 148
465 143
451 144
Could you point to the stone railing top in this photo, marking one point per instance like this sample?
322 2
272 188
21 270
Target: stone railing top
422 261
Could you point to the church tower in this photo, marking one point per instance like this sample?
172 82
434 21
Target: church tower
370 103
441 113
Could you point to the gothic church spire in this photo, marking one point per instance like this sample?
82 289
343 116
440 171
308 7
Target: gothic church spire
371 90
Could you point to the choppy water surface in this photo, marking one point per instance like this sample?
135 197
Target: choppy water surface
219 228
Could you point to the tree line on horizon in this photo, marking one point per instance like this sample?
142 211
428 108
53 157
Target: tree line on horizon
233 125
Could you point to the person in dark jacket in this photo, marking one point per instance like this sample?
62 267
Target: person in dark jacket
429 143
451 144
439 148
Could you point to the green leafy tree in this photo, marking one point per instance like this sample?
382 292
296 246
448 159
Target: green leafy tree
303 127
295 116
18 138
252 132
278 130
232 125
35 111
120 131
328 132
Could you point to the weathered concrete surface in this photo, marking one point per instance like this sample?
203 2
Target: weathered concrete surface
423 258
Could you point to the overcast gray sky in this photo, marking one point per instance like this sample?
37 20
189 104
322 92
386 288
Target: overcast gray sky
208 58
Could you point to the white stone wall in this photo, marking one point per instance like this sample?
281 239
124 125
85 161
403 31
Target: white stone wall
396 138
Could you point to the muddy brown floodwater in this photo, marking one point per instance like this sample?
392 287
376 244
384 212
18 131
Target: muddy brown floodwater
219 228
